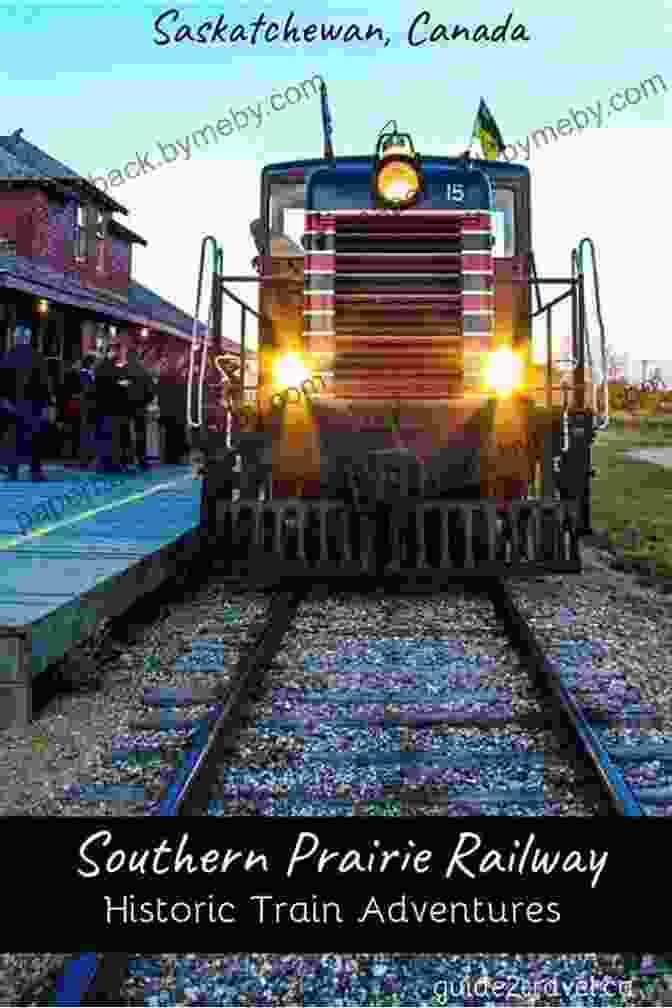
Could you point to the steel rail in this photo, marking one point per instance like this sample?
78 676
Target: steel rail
92 978
620 797
96 978
194 790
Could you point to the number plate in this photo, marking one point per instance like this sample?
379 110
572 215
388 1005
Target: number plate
455 192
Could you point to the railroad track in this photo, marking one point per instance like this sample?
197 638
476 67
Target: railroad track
451 777
396 695
422 685
89 978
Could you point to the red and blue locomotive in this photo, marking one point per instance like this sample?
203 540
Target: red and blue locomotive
399 423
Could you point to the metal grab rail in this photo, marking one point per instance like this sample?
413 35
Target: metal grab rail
196 343
576 361
602 422
581 348
245 310
196 375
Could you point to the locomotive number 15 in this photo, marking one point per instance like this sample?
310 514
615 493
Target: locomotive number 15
455 192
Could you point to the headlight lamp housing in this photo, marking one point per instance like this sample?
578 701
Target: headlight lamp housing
504 372
397 181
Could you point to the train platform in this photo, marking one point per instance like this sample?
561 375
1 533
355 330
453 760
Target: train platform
79 548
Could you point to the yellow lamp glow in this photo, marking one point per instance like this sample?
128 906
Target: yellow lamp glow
290 371
398 182
503 371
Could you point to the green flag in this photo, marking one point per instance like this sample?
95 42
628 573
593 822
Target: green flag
486 131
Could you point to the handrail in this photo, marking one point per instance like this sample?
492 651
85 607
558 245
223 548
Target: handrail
244 308
238 301
535 278
602 422
551 304
579 325
219 289
196 343
546 310
196 377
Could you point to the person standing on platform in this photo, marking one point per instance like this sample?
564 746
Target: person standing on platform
173 416
141 391
25 395
111 410
87 375
70 408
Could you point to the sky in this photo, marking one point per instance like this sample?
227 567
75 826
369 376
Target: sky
90 85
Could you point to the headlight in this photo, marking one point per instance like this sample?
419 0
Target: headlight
503 371
289 371
397 182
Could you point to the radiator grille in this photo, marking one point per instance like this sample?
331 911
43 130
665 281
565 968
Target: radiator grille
402 301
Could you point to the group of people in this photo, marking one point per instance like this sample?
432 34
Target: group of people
101 407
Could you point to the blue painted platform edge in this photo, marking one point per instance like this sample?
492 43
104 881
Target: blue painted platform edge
76 979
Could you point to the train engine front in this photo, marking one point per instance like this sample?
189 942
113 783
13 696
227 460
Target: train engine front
396 425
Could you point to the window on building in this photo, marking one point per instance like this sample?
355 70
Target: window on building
7 246
80 233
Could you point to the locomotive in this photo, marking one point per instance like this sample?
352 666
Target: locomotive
398 423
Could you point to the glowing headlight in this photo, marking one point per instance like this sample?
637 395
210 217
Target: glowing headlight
398 182
503 371
290 371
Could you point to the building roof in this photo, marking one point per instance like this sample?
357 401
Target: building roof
155 307
23 274
21 159
144 306
34 158
11 167
116 228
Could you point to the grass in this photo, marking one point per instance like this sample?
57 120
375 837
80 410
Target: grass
639 494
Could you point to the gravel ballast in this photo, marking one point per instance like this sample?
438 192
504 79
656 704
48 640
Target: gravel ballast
351 979
295 758
71 741
20 970
164 980
77 739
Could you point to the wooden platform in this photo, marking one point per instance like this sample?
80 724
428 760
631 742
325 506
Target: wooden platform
75 550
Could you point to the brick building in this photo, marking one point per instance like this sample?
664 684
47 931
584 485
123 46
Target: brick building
66 269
